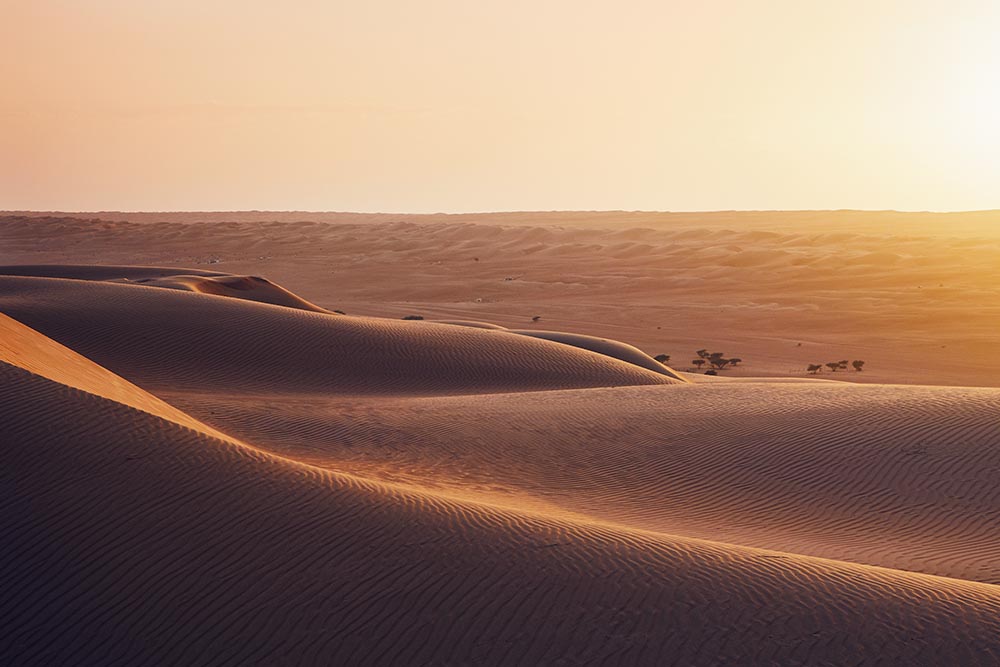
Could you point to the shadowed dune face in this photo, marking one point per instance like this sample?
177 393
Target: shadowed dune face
254 288
166 338
197 479
611 348
167 542
27 349
99 272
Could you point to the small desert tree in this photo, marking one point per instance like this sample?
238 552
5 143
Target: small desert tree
702 353
815 368
735 361
698 363
857 363
833 366
662 358
720 363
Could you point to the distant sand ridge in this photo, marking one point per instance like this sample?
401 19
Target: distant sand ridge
914 294
203 467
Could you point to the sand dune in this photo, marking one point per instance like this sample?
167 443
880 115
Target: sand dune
611 348
144 541
221 472
100 271
915 295
27 349
251 288
901 477
167 338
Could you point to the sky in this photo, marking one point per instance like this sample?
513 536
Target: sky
452 105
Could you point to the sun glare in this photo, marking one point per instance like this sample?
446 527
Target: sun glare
965 109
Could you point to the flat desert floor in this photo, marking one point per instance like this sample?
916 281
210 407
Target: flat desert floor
222 444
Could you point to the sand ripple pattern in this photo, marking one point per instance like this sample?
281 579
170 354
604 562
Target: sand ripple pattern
307 488
161 338
129 539
901 477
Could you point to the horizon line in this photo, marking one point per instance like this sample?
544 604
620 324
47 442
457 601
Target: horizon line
500 212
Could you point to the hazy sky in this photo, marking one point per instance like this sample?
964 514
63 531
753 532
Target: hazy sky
466 105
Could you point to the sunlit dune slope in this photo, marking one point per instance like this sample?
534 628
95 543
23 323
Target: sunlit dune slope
167 338
131 540
896 476
27 349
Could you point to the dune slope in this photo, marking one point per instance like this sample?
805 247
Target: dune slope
140 541
901 477
251 288
29 350
295 487
162 338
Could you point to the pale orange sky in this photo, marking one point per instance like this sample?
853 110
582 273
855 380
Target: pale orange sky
452 105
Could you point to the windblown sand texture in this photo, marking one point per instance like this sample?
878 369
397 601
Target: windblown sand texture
201 467
915 295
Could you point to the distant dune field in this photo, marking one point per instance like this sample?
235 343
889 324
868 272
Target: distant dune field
204 462
915 295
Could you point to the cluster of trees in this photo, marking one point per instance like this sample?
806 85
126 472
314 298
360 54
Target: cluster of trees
835 366
715 360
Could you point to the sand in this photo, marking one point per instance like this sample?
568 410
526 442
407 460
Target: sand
913 295
213 467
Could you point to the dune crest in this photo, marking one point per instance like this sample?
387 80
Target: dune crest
168 540
251 288
611 348
162 337
416 492
25 348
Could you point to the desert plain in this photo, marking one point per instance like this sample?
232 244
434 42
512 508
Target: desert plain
222 443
